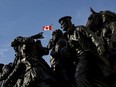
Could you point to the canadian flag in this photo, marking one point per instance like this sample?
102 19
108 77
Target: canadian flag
49 27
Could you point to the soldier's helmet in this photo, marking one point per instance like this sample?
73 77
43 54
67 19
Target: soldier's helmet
65 18
22 40
57 32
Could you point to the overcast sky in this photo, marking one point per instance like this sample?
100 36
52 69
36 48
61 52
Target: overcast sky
27 17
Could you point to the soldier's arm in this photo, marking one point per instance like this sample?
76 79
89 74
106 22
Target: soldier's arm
14 75
112 26
5 73
97 41
50 44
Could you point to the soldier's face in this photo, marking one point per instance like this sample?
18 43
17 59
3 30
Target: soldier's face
22 49
16 49
64 25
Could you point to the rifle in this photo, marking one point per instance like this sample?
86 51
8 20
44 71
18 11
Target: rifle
37 36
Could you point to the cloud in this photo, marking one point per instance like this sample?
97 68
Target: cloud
5 53
2 52
81 17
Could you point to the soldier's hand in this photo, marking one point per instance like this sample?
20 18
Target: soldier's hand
101 49
41 35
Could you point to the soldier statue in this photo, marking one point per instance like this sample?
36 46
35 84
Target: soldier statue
88 47
31 70
61 59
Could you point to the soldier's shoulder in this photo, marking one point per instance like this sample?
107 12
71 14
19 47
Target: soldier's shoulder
80 27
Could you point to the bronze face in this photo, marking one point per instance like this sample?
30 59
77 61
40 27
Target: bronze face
65 22
64 25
